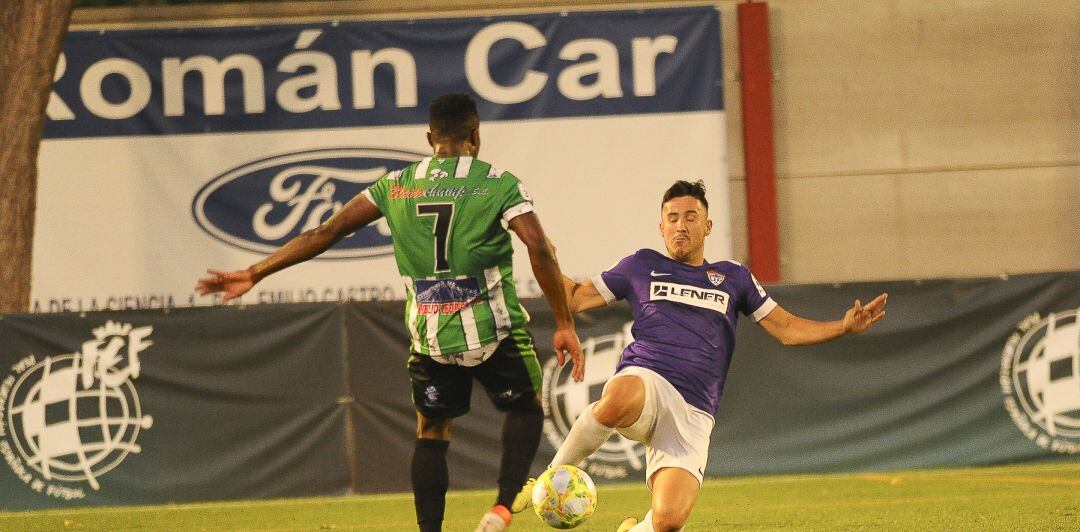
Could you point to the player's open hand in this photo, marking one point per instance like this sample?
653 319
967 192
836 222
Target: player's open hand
233 284
859 318
566 342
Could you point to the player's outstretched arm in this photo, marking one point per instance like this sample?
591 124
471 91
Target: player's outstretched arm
352 217
545 268
582 296
790 329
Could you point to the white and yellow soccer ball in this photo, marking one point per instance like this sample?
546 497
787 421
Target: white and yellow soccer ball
564 496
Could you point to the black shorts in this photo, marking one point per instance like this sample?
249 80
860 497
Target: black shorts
510 376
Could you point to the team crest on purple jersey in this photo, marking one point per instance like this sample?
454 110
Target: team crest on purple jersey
715 277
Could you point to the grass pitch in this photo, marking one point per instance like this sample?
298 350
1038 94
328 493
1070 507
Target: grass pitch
1042 496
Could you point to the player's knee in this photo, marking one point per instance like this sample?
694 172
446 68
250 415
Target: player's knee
610 413
527 406
621 403
434 428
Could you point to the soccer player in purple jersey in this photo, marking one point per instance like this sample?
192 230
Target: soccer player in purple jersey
669 380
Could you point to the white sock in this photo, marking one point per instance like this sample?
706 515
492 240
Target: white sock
645 525
586 436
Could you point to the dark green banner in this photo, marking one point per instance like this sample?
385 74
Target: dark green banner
197 404
922 388
290 400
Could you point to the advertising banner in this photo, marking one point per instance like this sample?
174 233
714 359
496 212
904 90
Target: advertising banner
303 399
168 151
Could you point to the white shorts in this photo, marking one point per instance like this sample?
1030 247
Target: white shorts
675 433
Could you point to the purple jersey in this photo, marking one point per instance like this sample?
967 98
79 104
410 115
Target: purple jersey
684 318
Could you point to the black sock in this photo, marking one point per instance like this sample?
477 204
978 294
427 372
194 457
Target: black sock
520 438
430 479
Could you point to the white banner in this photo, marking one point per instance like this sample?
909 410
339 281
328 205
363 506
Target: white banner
132 209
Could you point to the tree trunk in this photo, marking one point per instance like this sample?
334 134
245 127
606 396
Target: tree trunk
31 35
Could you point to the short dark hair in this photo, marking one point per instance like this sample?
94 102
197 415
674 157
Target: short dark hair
686 188
453 116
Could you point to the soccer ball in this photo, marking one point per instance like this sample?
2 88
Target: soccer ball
564 496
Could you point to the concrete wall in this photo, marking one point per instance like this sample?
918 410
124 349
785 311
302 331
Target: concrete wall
914 139
927 139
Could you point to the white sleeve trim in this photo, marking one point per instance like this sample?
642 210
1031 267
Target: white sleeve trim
517 210
601 286
764 309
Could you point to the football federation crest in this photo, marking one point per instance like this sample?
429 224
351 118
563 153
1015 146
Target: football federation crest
1040 381
72 418
715 277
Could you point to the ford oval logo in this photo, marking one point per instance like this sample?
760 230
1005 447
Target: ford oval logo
263 204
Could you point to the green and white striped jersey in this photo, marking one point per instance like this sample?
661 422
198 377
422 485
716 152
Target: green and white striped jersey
448 218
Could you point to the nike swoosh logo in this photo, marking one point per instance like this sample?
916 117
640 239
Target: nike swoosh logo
655 274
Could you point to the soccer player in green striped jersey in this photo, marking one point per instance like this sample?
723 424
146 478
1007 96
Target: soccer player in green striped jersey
449 216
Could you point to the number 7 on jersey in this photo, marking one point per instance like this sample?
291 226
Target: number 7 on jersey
444 216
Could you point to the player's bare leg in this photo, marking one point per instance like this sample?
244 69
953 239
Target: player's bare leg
619 407
675 491
430 475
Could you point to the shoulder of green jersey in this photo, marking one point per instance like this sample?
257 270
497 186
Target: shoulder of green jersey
524 192
464 164
422 168
495 172
394 175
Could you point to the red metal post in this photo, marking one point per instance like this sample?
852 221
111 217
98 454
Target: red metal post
760 158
